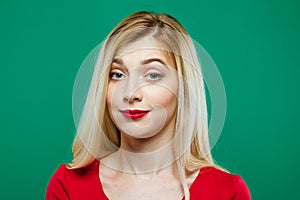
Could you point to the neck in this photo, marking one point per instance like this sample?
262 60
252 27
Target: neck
154 162
151 155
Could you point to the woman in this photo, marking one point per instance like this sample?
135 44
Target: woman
143 131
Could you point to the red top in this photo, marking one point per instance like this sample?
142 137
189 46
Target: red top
78 184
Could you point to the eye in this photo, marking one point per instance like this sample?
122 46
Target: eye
116 75
153 76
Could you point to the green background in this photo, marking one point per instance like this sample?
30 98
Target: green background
255 45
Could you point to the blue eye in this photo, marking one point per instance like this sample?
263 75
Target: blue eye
154 76
116 75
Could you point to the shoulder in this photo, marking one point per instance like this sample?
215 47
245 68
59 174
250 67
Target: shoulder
63 173
66 182
220 184
57 187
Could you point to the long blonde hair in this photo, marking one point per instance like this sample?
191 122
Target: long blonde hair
96 129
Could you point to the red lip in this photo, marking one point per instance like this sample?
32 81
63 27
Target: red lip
134 114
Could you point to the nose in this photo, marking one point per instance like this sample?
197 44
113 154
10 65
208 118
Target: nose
131 99
132 93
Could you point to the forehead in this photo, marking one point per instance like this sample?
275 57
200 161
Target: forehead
141 44
144 48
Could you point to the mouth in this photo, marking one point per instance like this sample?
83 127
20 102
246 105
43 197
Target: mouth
134 114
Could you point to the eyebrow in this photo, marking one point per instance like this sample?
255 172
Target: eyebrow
116 60
143 62
150 60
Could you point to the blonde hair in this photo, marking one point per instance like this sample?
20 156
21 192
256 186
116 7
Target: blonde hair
96 129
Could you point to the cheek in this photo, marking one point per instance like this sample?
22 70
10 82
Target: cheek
162 97
109 95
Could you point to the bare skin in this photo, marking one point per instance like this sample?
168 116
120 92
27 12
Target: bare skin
124 186
160 184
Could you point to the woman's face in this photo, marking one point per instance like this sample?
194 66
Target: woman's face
142 91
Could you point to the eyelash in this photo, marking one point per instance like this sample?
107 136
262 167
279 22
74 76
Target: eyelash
113 74
152 76
157 75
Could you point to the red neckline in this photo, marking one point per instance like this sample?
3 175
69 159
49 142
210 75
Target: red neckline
202 170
